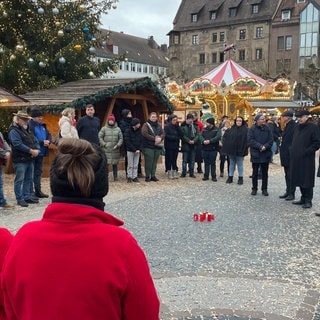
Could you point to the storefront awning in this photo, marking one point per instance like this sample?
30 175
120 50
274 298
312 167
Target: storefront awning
274 104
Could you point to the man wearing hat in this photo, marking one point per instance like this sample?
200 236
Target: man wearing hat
39 129
286 142
260 140
305 143
25 148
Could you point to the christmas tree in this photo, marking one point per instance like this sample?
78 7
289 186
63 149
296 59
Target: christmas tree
44 43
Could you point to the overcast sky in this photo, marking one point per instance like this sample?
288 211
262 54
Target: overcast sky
143 18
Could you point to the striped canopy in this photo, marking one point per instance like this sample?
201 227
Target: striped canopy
229 72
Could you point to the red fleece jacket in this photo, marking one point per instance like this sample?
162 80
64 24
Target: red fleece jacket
77 263
5 241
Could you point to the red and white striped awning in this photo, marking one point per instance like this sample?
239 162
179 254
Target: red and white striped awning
229 72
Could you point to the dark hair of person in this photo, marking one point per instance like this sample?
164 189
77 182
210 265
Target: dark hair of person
243 122
77 161
171 117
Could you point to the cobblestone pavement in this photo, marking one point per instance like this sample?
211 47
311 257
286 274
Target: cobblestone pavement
259 259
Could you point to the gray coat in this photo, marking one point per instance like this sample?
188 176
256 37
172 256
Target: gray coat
110 139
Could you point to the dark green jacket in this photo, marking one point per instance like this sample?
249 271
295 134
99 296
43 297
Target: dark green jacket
189 133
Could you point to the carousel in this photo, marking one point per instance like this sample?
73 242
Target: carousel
231 90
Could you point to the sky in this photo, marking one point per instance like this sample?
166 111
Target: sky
143 18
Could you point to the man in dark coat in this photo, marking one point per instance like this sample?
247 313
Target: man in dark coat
260 140
305 143
286 142
89 126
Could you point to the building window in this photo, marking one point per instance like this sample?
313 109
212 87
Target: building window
301 1
214 37
232 12
242 34
280 43
222 37
213 15
255 8
202 58
288 43
259 32
145 69
221 57
285 15
195 39
139 67
176 39
214 57
258 54
242 55
194 17
284 43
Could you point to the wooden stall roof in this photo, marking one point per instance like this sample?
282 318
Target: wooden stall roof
82 92
79 93
9 97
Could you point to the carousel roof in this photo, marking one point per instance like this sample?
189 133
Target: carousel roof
229 72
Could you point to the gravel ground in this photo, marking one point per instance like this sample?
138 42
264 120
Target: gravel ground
259 259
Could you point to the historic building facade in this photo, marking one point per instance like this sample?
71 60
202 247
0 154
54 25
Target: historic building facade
270 37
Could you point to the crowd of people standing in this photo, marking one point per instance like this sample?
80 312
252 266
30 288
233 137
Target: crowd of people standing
200 144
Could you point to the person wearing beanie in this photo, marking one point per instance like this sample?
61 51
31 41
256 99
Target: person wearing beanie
305 143
40 131
77 262
284 148
124 124
209 138
111 139
133 142
189 140
173 134
260 140
88 126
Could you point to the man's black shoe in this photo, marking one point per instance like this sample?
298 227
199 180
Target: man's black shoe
205 178
290 197
22 203
41 195
182 175
192 176
284 196
307 205
265 193
31 201
154 179
298 202
254 192
214 179
147 180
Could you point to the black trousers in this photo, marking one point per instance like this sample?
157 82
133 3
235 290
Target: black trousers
306 194
290 189
264 173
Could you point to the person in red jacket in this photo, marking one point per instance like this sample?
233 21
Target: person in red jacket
77 263
5 241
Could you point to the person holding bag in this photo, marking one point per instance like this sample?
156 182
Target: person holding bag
152 144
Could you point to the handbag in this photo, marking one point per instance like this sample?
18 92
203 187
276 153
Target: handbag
158 142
